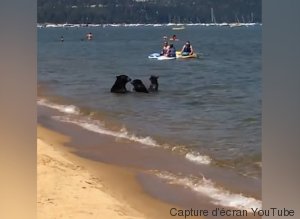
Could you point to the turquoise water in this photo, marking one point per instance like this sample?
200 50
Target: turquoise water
209 107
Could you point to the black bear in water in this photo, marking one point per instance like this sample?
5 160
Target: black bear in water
154 83
120 84
138 86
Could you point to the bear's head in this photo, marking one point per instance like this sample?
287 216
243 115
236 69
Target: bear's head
123 78
120 84
154 83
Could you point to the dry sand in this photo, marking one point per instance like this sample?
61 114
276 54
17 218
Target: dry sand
67 190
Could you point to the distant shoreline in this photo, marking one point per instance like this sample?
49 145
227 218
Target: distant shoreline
66 25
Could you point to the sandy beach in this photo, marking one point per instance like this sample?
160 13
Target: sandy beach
67 190
69 186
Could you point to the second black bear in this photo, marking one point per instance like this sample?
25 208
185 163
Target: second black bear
138 86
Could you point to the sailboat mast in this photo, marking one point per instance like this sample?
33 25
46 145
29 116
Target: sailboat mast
237 19
212 15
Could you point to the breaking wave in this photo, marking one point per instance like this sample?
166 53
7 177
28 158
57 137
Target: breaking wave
69 109
72 116
219 196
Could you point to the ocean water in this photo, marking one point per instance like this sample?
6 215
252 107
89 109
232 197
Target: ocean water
207 109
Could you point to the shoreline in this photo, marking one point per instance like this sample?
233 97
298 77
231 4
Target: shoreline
100 122
73 187
126 169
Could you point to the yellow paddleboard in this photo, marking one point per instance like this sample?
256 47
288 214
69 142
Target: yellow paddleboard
179 56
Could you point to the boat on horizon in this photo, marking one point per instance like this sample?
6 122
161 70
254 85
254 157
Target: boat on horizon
178 28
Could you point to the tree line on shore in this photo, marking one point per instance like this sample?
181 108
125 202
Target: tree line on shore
148 11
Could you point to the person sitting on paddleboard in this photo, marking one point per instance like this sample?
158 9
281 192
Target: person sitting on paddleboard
187 49
171 51
165 49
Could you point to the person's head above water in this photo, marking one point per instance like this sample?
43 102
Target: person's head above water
171 45
187 43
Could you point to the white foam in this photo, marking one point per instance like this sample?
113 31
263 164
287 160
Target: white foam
218 195
196 157
69 109
96 126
